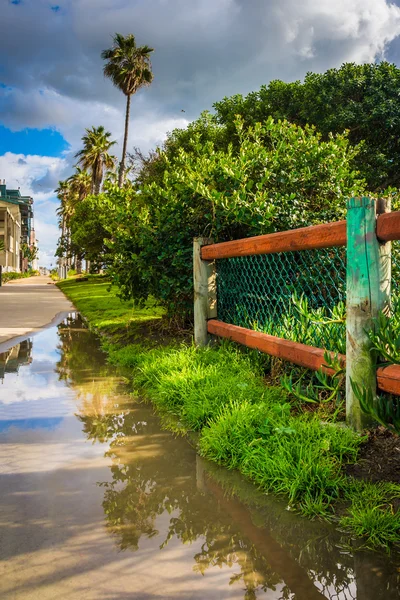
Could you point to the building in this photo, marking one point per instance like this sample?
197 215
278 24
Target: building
12 359
16 229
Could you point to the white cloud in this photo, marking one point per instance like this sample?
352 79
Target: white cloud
25 170
352 30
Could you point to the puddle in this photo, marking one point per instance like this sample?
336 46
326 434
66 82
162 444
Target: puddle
98 502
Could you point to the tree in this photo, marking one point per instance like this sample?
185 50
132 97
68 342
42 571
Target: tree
64 212
95 155
363 99
89 230
280 176
129 68
29 252
80 184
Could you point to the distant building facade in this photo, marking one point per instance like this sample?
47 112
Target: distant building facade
16 228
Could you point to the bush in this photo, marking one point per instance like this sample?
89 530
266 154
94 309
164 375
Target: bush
11 276
280 176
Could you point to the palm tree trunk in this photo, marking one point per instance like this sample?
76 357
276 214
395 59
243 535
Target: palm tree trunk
122 163
63 259
78 264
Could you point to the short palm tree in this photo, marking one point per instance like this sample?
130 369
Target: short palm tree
81 183
95 155
129 68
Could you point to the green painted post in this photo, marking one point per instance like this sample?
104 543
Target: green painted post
368 292
204 283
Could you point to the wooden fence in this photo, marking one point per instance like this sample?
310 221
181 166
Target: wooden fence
367 233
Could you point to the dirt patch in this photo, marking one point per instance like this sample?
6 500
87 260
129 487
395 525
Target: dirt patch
379 458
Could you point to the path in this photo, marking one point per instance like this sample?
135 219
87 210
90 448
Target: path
27 306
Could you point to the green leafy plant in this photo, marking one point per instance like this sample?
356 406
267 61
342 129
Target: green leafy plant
279 176
29 252
319 387
384 409
385 335
357 98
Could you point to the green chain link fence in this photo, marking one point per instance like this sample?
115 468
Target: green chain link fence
299 296
396 269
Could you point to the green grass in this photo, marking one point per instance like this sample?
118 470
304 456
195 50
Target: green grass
193 384
291 455
98 303
242 423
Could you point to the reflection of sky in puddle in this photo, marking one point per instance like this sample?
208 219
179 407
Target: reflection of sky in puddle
32 395
94 495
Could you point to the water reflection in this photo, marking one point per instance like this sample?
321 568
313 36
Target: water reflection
157 476
175 526
12 359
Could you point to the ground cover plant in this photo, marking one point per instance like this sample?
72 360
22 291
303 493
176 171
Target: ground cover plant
12 276
241 423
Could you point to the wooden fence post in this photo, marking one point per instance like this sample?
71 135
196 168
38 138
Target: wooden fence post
368 292
204 279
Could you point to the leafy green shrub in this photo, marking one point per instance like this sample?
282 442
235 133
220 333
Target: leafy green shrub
280 176
13 275
359 98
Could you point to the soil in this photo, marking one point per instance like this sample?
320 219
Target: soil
379 458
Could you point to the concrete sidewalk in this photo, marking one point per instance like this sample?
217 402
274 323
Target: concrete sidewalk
28 305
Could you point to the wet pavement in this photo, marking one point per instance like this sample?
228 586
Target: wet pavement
28 305
97 501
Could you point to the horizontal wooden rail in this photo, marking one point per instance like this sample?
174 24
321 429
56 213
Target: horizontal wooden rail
327 235
388 227
305 238
299 354
389 379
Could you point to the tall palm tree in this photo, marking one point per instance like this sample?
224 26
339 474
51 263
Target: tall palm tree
64 213
129 68
95 155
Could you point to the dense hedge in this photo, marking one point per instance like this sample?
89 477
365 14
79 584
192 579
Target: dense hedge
280 176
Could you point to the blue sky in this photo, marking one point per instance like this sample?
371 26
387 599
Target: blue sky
53 86
46 142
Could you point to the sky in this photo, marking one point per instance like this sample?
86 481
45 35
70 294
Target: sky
52 85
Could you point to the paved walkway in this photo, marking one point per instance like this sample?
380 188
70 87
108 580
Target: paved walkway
29 305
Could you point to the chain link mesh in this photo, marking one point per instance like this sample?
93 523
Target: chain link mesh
396 269
298 295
